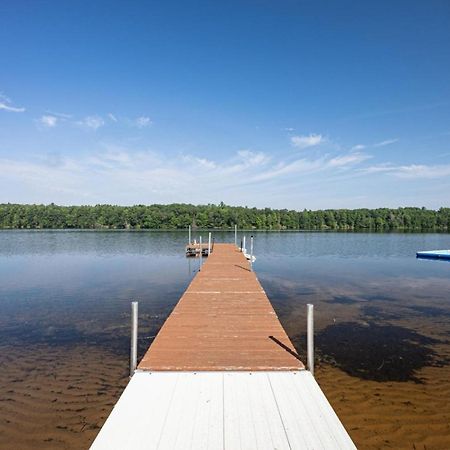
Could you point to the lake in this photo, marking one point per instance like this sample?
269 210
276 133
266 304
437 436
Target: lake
382 321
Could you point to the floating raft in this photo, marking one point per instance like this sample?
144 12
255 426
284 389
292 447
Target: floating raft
223 374
434 254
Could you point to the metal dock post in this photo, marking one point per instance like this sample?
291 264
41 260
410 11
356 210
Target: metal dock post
201 254
134 332
310 338
251 253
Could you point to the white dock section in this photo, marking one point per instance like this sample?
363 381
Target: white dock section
222 410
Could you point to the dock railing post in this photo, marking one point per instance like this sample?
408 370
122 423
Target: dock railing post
189 235
201 254
251 253
209 244
235 235
243 245
310 338
134 332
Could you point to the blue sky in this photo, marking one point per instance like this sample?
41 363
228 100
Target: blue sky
290 104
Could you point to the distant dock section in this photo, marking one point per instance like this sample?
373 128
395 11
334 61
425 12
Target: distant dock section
195 248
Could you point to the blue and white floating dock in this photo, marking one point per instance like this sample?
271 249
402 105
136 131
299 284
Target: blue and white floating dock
434 254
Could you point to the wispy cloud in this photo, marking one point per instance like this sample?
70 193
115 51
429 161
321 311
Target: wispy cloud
310 140
48 121
60 115
348 160
412 171
150 175
5 105
92 122
358 147
143 121
386 142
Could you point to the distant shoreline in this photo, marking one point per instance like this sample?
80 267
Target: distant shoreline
221 217
219 230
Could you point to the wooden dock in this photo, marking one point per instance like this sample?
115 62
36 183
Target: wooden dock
224 321
222 374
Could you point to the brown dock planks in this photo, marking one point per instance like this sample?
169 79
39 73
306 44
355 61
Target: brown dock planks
224 321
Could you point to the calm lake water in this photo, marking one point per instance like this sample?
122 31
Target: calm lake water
380 313
66 287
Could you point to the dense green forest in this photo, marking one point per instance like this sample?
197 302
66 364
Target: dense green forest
179 216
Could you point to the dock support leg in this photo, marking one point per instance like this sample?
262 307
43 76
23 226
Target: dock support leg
235 235
134 332
209 244
310 338
251 253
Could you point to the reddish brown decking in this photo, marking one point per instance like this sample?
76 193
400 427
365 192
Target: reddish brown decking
224 321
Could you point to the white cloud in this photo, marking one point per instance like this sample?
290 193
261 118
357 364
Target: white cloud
5 105
307 141
112 117
199 162
143 121
348 160
48 121
386 142
59 115
289 129
243 177
250 158
153 177
358 147
92 122
412 171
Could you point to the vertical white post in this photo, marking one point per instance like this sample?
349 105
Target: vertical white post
201 254
235 235
243 245
189 235
310 338
251 253
209 244
134 332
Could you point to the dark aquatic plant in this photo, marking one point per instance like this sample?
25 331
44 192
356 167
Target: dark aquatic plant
377 352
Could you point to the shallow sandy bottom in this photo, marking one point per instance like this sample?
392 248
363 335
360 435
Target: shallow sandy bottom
54 398
400 415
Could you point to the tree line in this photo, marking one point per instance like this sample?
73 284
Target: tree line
179 216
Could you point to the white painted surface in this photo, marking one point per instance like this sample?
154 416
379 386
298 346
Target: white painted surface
222 410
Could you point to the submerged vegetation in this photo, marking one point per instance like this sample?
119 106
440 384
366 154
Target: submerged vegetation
179 216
